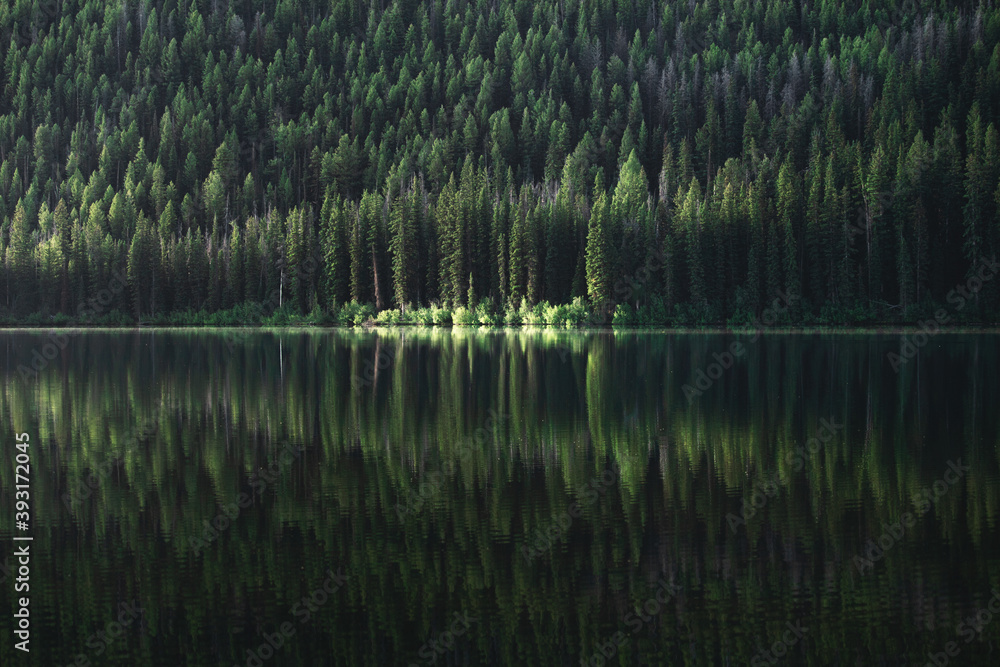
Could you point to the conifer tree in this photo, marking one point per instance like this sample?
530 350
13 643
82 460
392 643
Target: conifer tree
788 213
517 254
143 254
20 263
63 231
599 253
402 247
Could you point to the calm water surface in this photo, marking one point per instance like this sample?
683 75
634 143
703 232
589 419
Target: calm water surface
462 497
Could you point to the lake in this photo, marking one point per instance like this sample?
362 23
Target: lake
503 497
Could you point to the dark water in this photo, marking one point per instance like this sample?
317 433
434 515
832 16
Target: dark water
513 498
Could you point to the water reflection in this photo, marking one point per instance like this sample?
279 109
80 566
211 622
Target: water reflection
316 498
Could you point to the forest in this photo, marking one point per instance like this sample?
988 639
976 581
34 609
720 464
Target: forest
498 161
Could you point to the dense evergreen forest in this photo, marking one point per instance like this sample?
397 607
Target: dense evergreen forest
519 161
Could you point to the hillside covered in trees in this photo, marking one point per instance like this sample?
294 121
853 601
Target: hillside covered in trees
673 161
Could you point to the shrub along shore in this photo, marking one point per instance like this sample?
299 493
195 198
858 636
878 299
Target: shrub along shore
578 313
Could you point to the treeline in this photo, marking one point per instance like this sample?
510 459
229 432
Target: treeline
686 161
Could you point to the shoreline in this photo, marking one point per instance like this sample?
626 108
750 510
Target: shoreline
527 328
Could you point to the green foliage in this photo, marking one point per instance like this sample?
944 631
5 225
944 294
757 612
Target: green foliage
568 315
354 314
440 315
465 317
625 315
388 317
454 160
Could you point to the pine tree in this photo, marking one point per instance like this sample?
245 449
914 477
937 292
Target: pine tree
50 262
517 259
20 263
788 213
815 235
334 249
361 253
629 217
235 267
471 301
598 253
63 229
560 248
689 218
253 280
976 185
503 269
197 269
876 193
451 241
143 254
847 265
535 222
294 255
831 229
402 248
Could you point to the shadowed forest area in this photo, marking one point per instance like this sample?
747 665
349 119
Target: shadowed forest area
489 162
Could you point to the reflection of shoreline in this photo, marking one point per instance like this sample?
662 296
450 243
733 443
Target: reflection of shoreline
426 490
662 515
85 487
588 403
